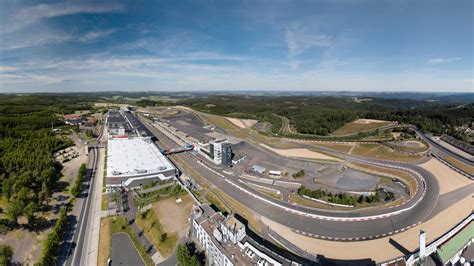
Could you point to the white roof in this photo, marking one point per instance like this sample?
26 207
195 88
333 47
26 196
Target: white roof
134 157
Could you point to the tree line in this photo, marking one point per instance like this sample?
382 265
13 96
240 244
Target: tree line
28 171
76 189
322 115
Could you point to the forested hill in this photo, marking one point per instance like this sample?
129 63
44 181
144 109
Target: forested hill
28 173
322 115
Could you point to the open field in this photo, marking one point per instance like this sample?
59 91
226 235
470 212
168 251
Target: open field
460 165
360 125
381 152
447 178
151 225
336 146
174 216
301 153
380 249
105 239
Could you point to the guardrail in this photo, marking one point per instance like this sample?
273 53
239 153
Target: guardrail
290 246
454 167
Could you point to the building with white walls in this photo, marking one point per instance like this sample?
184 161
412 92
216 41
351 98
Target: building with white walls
218 151
225 242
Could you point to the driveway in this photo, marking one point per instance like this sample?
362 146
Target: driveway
124 252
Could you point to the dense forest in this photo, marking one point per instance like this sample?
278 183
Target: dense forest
322 115
28 172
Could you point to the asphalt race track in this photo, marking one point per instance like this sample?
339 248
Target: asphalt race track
325 224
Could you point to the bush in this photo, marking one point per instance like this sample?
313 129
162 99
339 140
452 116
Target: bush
299 174
177 189
163 237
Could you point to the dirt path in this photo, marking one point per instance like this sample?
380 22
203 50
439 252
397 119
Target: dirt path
352 148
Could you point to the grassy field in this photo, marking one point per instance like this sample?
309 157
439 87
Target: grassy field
269 193
312 204
337 147
119 224
356 127
212 198
466 168
104 202
105 239
381 152
151 226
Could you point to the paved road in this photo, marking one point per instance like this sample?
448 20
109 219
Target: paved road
74 251
438 149
124 252
76 247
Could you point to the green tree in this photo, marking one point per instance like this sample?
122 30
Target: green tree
29 211
6 254
185 258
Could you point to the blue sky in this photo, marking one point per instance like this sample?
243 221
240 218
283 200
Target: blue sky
236 45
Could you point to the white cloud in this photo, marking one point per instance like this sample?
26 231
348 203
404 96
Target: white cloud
300 40
7 68
437 61
31 14
26 79
92 35
34 38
